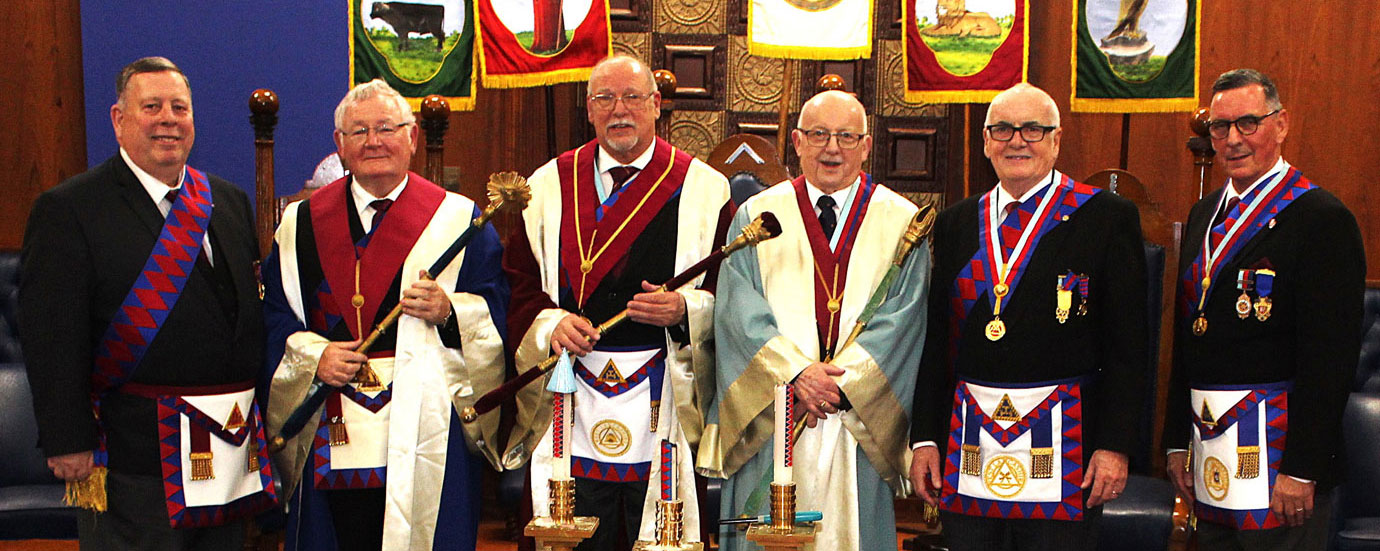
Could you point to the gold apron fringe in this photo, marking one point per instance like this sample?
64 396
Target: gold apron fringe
1042 463
88 493
338 436
656 416
1247 462
972 460
253 465
201 466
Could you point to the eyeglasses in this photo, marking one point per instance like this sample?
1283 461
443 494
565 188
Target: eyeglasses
384 131
1031 133
630 101
820 138
1245 124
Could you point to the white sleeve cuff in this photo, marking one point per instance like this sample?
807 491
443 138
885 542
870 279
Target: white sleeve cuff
925 444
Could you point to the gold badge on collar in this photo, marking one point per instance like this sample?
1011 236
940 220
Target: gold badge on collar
1004 476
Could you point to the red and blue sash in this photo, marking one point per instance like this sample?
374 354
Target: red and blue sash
1223 241
155 292
831 265
595 236
979 276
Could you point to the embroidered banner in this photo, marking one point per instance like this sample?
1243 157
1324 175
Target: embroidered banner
959 51
1135 56
419 48
810 29
540 42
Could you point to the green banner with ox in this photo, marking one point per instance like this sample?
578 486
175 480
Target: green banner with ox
1135 56
419 48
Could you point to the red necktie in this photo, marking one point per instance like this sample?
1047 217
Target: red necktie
1221 218
621 175
1010 234
380 207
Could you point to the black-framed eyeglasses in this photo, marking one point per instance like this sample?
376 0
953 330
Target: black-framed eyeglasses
384 131
1245 124
607 101
820 138
1031 133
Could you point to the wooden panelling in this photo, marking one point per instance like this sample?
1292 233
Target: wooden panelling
42 120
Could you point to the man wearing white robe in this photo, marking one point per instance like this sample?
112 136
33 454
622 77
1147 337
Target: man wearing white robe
787 305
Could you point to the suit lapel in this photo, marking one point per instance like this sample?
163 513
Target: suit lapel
137 199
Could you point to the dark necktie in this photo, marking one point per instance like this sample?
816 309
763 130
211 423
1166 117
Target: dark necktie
380 207
1226 211
620 176
827 219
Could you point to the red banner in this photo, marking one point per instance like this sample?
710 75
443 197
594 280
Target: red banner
540 42
959 56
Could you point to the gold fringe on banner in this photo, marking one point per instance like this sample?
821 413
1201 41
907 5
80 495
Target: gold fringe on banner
1247 462
972 460
1097 105
88 493
805 52
1042 463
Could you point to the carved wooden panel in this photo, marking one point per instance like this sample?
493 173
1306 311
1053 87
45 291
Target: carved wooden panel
638 45
698 62
891 79
908 154
886 21
738 17
630 15
697 132
690 17
754 83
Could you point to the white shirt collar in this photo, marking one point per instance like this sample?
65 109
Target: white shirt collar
363 198
606 161
156 189
1003 197
1280 166
839 196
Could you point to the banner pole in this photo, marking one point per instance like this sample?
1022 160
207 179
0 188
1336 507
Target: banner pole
787 78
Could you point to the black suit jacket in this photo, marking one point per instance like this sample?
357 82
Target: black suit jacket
1101 239
1312 337
86 242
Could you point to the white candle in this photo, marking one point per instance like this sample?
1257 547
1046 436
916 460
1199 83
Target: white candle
781 441
563 424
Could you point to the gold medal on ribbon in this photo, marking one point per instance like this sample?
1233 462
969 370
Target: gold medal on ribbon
1243 306
1262 308
996 329
1065 301
1200 326
357 301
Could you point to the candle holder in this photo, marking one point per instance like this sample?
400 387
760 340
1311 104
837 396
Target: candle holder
783 506
562 501
669 522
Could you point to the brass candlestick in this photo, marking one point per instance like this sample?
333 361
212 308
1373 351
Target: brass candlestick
669 522
783 507
562 501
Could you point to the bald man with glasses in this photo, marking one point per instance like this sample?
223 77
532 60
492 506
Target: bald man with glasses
1272 278
1030 383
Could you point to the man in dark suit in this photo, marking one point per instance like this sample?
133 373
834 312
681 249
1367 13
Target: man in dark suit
1035 349
1272 278
134 323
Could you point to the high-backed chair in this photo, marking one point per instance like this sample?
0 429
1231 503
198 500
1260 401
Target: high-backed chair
30 497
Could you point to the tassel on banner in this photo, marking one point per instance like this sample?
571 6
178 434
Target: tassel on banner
1041 463
1247 462
972 460
88 493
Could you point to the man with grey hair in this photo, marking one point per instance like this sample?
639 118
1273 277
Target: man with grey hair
142 334
384 464
1272 281
609 222
794 300
1033 368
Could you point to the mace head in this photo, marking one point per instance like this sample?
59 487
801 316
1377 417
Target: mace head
509 191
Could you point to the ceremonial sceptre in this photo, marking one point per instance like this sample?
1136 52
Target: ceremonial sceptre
764 227
507 191
918 229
